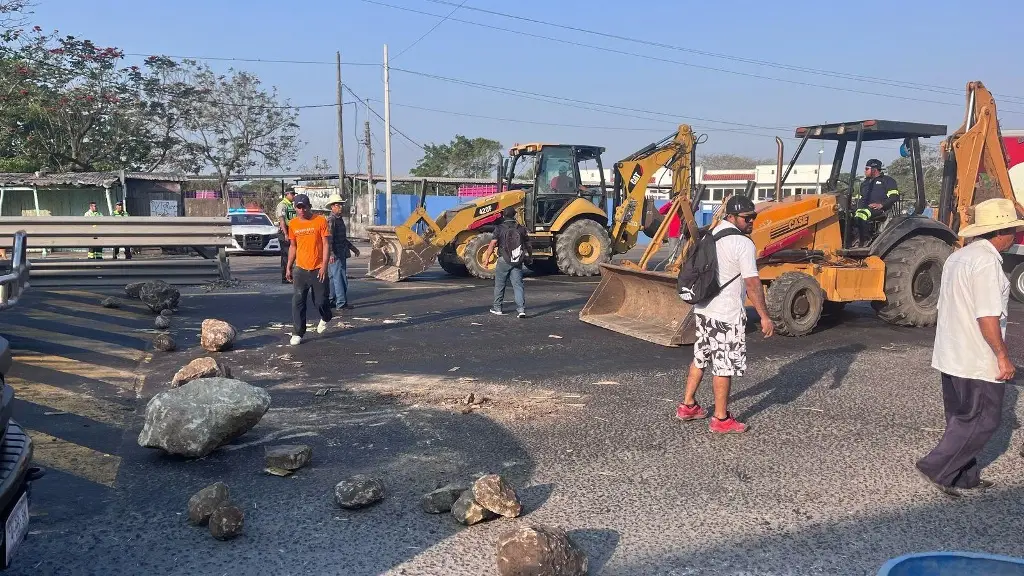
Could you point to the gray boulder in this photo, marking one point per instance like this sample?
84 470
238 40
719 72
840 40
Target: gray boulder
226 522
217 335
497 495
159 296
162 322
539 550
204 502
468 511
167 312
288 456
205 367
133 290
358 492
440 501
110 303
196 418
164 343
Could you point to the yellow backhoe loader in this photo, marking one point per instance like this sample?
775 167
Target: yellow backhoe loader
569 227
804 255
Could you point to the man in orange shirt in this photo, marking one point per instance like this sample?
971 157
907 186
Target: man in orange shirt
308 253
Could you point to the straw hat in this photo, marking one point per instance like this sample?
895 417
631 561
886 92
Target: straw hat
335 199
992 215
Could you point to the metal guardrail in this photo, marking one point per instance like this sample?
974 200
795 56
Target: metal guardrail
207 236
13 283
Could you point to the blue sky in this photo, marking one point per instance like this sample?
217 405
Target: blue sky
941 44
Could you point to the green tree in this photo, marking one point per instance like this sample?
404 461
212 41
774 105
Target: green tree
730 162
460 158
902 171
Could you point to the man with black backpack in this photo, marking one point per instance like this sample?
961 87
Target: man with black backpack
718 273
511 245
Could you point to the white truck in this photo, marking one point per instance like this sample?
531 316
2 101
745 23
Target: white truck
1013 259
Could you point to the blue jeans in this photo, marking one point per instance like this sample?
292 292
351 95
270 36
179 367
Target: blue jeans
337 272
503 271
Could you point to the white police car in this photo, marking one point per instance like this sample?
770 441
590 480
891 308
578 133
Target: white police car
252 232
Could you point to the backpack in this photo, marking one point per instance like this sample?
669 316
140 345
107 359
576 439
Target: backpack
698 276
511 242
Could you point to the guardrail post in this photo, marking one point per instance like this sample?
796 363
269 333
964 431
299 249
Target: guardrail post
222 264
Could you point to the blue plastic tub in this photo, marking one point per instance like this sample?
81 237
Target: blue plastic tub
953 564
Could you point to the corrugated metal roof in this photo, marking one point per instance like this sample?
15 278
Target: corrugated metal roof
732 176
100 179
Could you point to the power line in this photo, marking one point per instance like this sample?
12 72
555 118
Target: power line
678 62
256 60
768 63
432 28
381 118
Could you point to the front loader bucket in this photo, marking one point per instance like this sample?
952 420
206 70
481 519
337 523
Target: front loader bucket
397 253
641 304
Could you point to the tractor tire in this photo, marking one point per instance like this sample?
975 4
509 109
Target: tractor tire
1017 282
913 273
474 257
582 247
543 266
451 263
795 302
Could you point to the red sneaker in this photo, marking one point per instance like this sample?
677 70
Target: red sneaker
695 412
728 425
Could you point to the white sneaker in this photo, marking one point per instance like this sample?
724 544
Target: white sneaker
497 312
321 327
295 341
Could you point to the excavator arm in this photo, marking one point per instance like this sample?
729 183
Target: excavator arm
977 145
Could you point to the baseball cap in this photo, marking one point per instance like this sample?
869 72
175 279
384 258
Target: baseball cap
739 205
301 200
874 163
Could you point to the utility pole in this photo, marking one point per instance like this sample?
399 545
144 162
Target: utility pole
341 132
371 188
387 138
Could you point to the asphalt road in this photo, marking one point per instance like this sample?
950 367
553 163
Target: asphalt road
579 418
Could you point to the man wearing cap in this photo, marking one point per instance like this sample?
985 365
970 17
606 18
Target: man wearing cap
970 347
341 248
308 254
121 212
721 322
285 212
92 212
878 193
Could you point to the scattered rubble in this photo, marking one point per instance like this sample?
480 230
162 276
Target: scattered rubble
440 501
539 550
204 502
226 522
217 335
205 367
497 495
167 312
468 511
164 343
133 289
358 492
159 296
110 303
198 417
289 457
162 322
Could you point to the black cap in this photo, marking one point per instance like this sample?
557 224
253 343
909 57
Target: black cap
301 200
874 163
509 213
739 205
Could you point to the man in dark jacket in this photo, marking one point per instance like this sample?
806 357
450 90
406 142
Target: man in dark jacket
878 193
511 244
341 247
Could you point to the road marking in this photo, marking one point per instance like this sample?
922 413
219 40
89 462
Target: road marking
126 313
74 459
221 294
121 378
62 400
89 344
83 323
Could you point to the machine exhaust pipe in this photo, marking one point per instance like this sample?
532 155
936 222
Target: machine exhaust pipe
778 168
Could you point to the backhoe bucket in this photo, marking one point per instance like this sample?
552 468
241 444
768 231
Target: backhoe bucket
397 253
641 304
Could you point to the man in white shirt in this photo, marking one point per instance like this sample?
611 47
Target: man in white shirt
970 348
721 322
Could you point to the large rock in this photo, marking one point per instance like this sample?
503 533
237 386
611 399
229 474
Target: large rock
133 290
159 296
539 550
162 322
497 495
110 303
200 368
164 343
358 491
468 511
217 335
288 456
440 501
226 522
167 312
196 418
204 502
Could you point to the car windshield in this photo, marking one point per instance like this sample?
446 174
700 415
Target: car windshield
250 220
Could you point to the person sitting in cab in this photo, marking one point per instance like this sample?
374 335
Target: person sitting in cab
878 193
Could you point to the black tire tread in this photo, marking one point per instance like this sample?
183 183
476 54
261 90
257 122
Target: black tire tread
899 307
450 262
565 251
1016 279
777 296
471 264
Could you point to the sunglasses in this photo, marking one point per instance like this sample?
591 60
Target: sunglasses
748 217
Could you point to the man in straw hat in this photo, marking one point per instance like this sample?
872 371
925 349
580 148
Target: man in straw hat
970 347
341 248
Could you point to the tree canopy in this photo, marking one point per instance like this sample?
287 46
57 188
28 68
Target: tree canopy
730 161
460 158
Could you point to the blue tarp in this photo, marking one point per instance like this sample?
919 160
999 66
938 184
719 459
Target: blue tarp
953 564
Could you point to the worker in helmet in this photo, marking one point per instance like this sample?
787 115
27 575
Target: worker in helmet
878 193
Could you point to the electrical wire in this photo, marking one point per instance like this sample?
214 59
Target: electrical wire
255 60
381 118
432 28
